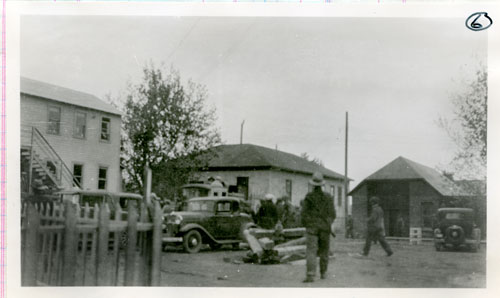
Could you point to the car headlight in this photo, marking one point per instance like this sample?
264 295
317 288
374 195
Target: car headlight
438 233
178 219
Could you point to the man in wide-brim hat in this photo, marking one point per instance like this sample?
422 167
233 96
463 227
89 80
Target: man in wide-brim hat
318 214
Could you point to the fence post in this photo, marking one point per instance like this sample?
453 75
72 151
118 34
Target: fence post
156 245
70 244
131 244
31 247
102 261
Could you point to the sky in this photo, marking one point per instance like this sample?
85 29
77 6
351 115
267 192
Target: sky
291 79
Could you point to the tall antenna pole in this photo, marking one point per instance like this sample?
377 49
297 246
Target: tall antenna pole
241 132
346 181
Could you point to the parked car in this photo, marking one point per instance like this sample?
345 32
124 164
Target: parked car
456 228
208 220
115 200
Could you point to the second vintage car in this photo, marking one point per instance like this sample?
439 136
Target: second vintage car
455 228
209 220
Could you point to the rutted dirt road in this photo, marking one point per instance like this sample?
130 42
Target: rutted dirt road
410 266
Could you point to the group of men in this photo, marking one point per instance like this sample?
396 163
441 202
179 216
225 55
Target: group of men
270 213
318 214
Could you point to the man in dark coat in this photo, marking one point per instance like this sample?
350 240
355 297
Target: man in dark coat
318 214
375 228
267 216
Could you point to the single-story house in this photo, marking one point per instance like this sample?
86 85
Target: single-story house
255 171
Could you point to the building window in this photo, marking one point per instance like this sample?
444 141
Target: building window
77 174
54 120
332 191
288 189
103 173
339 196
80 125
105 129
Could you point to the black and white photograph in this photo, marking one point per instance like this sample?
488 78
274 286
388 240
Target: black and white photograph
254 151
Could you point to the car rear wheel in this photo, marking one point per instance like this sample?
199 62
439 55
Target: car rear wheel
192 241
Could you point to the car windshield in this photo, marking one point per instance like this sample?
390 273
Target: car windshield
454 215
200 206
192 192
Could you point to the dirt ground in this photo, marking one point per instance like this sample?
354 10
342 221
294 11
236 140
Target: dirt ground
411 266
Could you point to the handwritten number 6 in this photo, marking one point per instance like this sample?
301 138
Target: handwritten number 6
478 26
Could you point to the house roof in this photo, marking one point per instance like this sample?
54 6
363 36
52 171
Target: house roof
65 95
252 156
404 169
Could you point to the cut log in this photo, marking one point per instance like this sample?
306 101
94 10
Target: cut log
296 249
294 232
294 242
261 233
266 243
253 242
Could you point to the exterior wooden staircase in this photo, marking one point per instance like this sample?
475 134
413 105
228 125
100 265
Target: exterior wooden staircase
41 165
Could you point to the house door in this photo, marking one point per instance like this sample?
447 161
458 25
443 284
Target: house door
242 184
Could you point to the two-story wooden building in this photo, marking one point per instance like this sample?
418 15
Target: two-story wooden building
68 138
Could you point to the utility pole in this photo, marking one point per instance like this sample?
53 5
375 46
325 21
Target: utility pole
346 180
241 132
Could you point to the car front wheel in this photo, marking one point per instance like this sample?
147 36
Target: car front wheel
192 241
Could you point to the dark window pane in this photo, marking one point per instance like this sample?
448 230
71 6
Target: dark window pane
54 120
80 124
102 178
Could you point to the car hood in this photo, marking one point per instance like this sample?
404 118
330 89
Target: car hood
188 216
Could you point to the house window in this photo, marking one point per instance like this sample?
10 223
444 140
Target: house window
77 174
288 189
332 191
103 173
105 129
54 120
339 196
80 124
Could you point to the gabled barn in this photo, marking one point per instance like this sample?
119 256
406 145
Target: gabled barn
410 194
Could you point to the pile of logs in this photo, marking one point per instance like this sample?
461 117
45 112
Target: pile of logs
275 246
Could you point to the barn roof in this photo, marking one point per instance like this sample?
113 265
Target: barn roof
404 169
65 95
248 156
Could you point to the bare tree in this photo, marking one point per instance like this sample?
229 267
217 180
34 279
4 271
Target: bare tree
468 128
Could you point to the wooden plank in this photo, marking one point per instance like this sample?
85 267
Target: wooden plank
102 262
30 249
261 233
70 245
296 249
294 232
299 241
156 246
266 243
130 257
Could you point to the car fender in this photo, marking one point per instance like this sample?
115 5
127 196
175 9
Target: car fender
192 226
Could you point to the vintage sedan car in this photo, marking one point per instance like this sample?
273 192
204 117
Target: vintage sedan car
208 220
455 228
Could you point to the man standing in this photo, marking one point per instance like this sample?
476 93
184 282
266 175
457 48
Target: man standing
375 231
350 227
317 217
